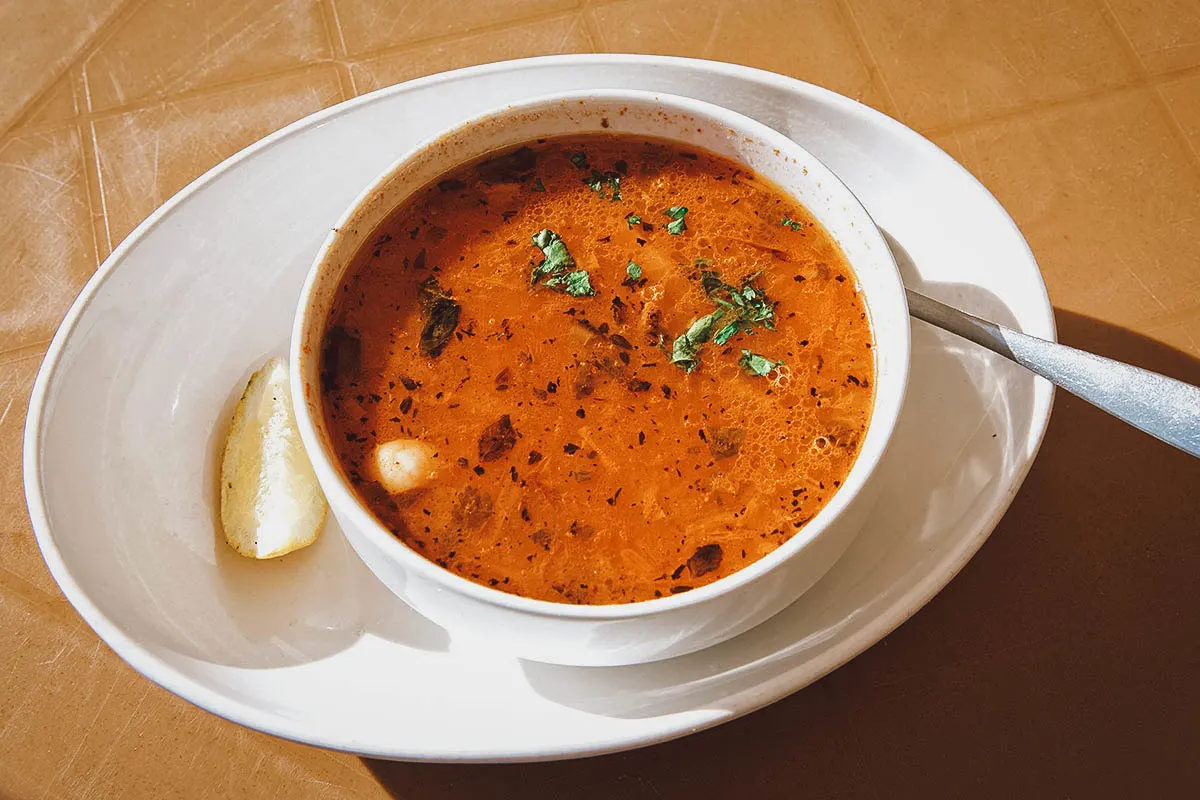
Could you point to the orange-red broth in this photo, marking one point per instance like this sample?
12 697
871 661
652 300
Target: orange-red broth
575 462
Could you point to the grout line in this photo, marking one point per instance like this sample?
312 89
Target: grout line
1031 109
211 89
1148 80
346 82
216 88
52 604
1172 75
336 38
334 23
91 171
94 176
199 92
457 36
874 73
336 42
99 183
1176 126
31 350
85 49
95 196
1131 52
591 30
343 66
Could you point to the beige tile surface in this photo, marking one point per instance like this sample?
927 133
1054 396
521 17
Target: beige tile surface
1183 99
1082 116
131 737
173 46
955 61
1106 195
807 39
549 36
62 100
369 25
39 41
1165 33
147 155
21 565
46 250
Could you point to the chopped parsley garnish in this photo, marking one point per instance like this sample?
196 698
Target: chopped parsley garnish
676 226
538 186
685 352
749 303
726 333
600 182
633 271
579 160
754 364
632 219
576 283
746 307
556 270
788 222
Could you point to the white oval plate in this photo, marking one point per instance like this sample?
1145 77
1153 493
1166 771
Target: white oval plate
127 412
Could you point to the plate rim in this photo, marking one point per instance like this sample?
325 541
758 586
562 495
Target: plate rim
154 668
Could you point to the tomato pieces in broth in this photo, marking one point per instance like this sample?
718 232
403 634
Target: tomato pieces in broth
639 368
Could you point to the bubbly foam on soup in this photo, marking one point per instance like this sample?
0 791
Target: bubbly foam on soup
637 368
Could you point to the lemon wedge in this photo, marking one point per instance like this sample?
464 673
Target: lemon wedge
271 503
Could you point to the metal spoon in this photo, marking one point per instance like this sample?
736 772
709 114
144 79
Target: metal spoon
1162 407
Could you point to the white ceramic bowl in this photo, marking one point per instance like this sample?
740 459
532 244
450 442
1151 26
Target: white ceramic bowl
635 632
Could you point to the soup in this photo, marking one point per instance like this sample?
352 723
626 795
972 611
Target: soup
633 368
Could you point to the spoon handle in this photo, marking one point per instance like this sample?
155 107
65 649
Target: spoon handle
1162 407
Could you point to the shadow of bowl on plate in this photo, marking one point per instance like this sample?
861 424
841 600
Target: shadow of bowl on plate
308 604
164 570
966 419
1060 661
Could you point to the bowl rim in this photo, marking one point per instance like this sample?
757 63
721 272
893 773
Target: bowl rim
341 495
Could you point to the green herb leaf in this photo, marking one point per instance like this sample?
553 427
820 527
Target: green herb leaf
754 364
579 160
788 222
576 283
538 186
632 219
748 305
556 270
677 226
558 258
685 352
599 182
634 272
726 333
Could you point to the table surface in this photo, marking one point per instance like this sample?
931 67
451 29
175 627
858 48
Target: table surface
1063 661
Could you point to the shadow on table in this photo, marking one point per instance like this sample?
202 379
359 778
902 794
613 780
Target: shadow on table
1061 661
